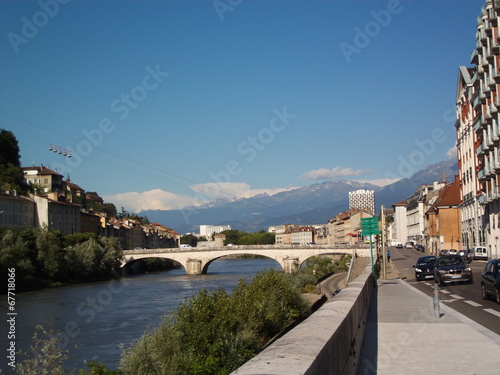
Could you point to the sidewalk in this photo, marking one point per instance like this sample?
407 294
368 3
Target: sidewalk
403 336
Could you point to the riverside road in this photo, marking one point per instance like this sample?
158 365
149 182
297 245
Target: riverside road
464 298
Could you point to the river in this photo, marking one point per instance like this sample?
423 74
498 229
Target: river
94 319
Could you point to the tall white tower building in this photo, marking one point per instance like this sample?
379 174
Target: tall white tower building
362 199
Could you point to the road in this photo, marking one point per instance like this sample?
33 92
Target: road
464 298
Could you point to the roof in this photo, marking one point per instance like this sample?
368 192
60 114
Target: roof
402 203
73 186
449 196
42 171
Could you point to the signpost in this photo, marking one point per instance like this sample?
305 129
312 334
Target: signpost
369 227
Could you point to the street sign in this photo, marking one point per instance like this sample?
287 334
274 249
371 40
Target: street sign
369 226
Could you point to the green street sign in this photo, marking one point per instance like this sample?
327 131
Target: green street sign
369 226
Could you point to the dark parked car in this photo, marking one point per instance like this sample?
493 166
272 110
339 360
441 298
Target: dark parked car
419 248
424 269
490 283
450 269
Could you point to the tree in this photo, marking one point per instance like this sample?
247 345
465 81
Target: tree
11 174
50 251
189 239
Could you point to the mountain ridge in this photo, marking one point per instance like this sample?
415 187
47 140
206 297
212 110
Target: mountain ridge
313 204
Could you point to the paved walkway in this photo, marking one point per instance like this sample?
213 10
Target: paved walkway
403 336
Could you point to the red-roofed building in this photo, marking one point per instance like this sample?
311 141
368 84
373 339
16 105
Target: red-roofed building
443 220
45 177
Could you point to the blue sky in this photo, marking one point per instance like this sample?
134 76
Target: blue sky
170 103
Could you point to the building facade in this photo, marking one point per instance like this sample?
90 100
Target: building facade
443 223
400 222
471 211
482 93
362 200
16 211
345 228
61 216
209 230
48 179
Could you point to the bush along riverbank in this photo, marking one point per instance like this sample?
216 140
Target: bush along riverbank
212 333
44 258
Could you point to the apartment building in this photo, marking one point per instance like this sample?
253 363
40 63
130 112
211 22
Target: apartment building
345 228
62 216
301 235
400 222
416 207
16 211
209 230
471 211
362 200
48 179
443 223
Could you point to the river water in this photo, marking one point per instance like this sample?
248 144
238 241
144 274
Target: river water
94 319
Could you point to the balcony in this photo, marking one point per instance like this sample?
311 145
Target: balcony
481 199
477 123
496 75
474 57
481 174
481 150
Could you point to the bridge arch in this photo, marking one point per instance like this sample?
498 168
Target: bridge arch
129 262
207 264
195 260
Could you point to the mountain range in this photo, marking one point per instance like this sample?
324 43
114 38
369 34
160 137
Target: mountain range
313 204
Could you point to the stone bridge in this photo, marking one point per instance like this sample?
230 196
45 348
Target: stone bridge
196 260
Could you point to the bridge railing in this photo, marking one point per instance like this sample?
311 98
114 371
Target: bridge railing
246 247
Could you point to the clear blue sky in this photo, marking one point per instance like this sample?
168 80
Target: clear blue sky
261 95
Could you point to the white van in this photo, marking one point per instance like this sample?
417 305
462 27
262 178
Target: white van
480 253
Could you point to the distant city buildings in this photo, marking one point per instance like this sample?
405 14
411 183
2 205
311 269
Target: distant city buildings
54 206
362 200
208 231
345 228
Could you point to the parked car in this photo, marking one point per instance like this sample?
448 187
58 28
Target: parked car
450 269
185 245
444 252
452 252
409 245
424 269
480 252
419 247
490 283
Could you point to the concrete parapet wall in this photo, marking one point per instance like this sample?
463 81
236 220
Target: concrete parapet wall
327 342
366 253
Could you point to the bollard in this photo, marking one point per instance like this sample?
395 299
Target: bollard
437 312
